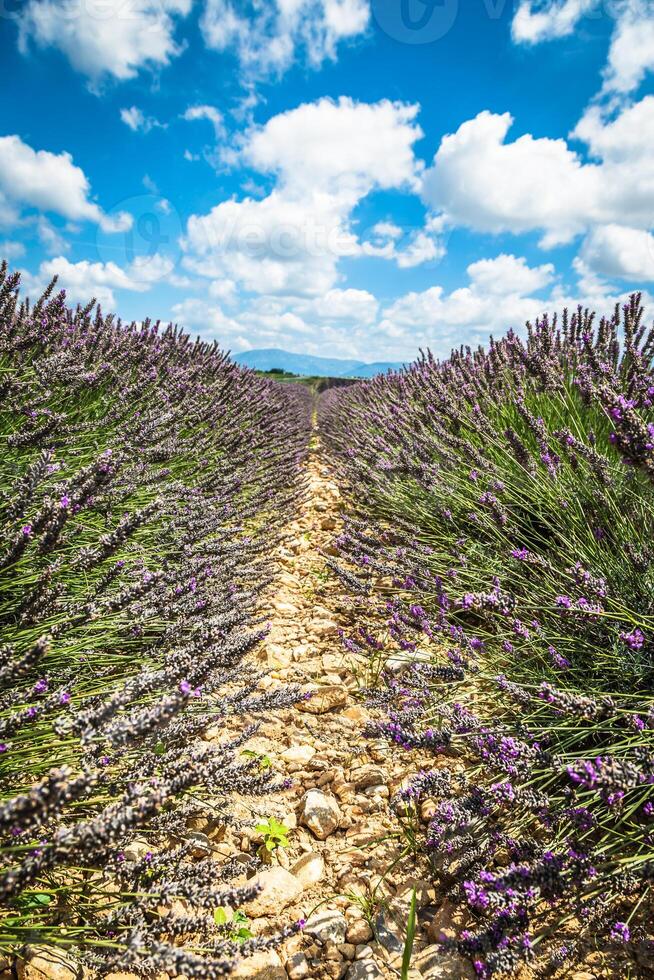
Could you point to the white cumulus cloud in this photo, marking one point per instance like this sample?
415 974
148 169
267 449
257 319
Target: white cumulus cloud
208 112
631 54
354 305
85 280
535 22
267 38
484 181
631 48
616 251
506 274
499 296
344 146
627 138
49 182
105 37
326 157
137 121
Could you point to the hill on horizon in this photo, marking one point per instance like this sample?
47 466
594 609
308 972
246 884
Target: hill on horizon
309 365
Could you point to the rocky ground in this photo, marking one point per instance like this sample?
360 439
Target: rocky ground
345 870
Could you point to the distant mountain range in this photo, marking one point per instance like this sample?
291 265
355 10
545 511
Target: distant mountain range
309 366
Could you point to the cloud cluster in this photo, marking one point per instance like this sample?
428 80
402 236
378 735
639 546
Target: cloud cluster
339 321
502 292
482 180
616 251
631 50
49 182
195 113
268 270
326 157
557 19
631 55
499 295
268 37
84 280
114 38
137 121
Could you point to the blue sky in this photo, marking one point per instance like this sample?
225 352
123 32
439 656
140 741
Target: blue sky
339 177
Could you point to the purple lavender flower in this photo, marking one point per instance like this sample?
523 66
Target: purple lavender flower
620 931
558 659
634 640
477 897
520 553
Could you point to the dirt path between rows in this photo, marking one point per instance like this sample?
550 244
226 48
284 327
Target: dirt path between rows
343 870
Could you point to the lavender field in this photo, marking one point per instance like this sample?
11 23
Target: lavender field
507 495
145 481
417 610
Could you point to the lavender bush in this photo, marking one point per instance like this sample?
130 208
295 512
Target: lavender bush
145 480
505 512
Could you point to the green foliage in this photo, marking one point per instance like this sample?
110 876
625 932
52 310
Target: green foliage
274 834
410 936
237 928
263 759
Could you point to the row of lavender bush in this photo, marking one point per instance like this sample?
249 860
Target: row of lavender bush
508 496
144 481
